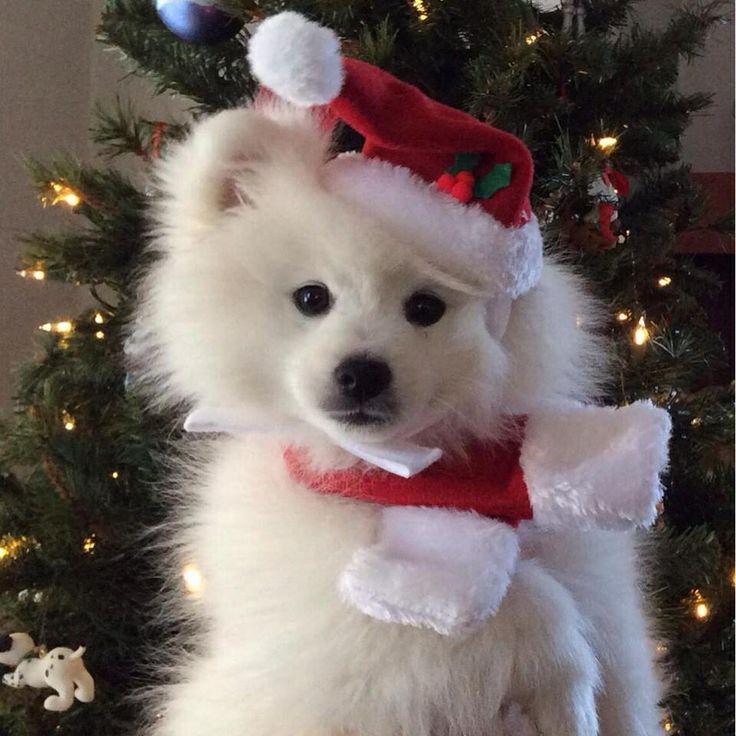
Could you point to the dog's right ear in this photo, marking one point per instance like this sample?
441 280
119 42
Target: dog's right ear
227 160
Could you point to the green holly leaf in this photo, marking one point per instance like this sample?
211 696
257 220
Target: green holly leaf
497 178
464 162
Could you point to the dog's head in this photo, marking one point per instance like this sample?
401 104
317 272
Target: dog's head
275 294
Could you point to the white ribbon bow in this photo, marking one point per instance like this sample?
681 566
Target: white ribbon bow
401 458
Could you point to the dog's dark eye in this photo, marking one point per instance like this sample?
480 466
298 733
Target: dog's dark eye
424 309
312 299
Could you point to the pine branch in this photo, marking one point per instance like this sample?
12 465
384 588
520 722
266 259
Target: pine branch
212 77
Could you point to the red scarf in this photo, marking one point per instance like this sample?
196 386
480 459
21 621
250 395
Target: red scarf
489 481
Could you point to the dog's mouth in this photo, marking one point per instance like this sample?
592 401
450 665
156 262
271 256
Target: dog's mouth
361 417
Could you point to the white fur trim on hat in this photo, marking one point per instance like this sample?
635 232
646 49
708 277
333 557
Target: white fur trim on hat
297 59
593 466
464 239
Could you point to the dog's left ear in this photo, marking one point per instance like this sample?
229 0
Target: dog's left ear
230 160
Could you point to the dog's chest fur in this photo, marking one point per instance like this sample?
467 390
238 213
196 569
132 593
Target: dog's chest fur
283 650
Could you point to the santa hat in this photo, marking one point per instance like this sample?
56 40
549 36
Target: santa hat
451 184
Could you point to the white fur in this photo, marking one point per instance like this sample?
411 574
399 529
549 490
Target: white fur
436 568
245 220
297 59
596 466
584 467
463 239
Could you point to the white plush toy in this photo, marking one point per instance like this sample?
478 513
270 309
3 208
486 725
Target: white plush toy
61 669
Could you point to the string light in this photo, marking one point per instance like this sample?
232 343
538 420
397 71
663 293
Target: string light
700 607
100 335
421 9
61 193
664 281
192 577
641 333
607 143
696 421
115 475
13 547
667 725
89 544
99 318
62 328
623 316
68 421
37 273
532 38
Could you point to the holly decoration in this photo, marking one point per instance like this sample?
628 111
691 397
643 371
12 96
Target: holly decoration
465 180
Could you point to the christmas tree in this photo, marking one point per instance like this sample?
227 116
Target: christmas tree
594 96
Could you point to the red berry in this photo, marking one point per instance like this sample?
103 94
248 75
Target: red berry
445 182
463 191
466 177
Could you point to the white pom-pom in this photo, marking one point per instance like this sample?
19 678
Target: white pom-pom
297 59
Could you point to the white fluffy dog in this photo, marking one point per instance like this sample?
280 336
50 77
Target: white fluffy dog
249 215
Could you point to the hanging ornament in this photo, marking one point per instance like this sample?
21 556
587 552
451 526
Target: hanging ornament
547 6
198 21
61 669
573 17
607 189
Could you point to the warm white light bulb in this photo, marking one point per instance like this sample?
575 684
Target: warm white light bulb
607 142
641 333
192 577
702 611
421 9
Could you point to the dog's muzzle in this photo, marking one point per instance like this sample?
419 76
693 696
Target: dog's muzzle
361 392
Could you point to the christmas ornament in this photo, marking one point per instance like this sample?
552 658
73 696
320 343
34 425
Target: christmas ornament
546 6
61 669
198 21
607 189
573 12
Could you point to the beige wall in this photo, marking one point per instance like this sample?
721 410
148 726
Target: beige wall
45 47
50 74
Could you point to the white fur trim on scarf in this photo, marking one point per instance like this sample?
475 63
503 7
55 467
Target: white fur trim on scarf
434 568
465 239
591 466
297 59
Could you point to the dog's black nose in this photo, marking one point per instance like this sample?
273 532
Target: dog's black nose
361 378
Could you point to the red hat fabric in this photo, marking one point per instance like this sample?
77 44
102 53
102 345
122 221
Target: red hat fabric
456 186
